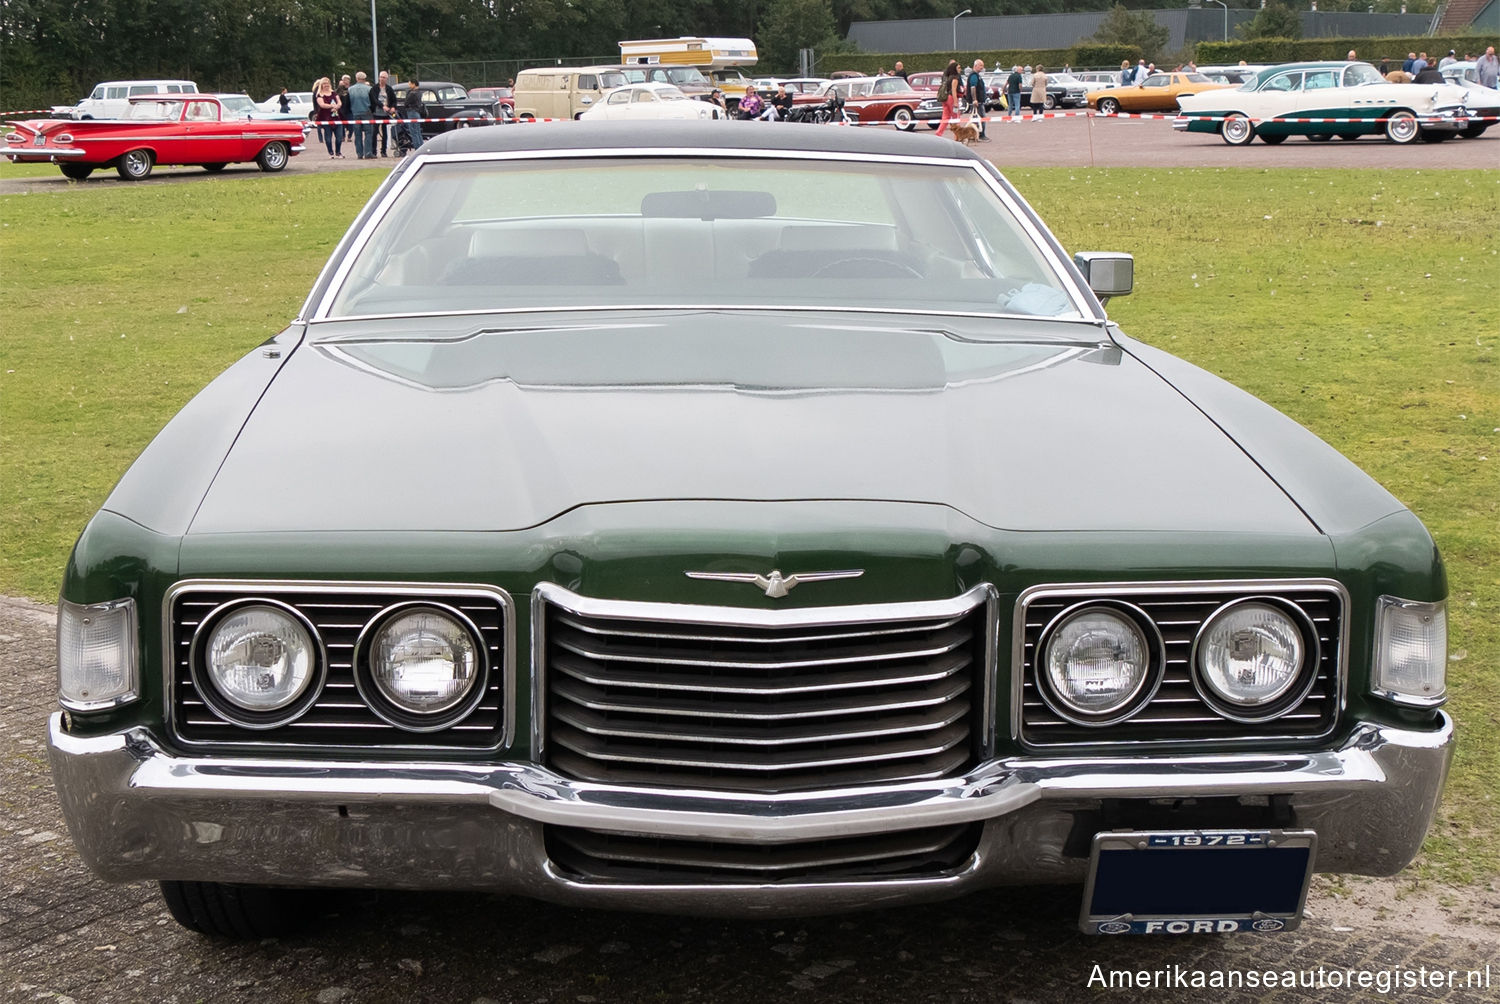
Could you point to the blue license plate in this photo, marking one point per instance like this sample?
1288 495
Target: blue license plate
1197 881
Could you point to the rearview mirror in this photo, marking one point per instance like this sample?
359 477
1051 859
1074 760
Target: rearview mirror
1108 273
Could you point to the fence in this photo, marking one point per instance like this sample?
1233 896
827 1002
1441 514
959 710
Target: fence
499 72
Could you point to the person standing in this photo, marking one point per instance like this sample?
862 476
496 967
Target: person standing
1487 67
383 100
285 101
900 70
1452 57
949 94
977 91
325 112
341 120
1127 75
360 117
412 112
1013 92
1039 90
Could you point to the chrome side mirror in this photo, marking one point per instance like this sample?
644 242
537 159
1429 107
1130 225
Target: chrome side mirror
1108 273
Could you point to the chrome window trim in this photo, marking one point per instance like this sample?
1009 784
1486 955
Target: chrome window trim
409 590
1023 217
686 613
1207 586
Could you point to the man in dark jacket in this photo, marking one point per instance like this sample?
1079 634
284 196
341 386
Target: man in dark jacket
1013 92
383 99
975 90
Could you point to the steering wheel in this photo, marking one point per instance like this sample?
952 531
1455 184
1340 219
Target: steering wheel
858 267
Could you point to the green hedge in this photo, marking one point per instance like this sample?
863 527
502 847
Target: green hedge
1295 50
1082 55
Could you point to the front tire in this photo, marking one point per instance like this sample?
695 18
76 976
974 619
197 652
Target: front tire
135 165
1401 127
1475 130
273 156
1109 106
1434 135
1319 137
1349 137
902 119
1274 138
214 168
1237 130
78 172
241 912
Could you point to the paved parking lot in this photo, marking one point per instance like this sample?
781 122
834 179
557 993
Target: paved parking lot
65 935
1065 142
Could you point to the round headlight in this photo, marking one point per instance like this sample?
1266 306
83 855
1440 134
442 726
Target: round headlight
1095 663
1250 654
260 658
424 660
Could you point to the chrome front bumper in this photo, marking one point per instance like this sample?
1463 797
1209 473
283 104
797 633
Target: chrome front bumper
138 812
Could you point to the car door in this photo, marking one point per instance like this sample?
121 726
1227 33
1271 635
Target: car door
1154 95
643 104
1280 97
207 139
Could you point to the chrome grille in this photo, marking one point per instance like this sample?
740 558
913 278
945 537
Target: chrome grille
339 717
646 697
594 856
1176 713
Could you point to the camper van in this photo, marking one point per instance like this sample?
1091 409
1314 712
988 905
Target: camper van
719 59
563 92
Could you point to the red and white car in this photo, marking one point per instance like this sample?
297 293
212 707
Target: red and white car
158 129
880 99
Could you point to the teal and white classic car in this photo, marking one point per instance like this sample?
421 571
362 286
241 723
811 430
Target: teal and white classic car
1343 99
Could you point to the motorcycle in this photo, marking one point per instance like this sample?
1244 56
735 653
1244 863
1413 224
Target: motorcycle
831 110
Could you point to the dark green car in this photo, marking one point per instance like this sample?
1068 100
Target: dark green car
639 517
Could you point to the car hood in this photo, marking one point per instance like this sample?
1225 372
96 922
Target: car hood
1019 425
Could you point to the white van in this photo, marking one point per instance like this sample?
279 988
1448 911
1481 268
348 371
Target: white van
563 92
111 99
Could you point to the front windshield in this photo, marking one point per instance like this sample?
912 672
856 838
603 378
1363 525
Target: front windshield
237 105
482 235
671 94
680 75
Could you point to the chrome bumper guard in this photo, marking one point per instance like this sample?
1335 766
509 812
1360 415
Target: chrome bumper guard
138 812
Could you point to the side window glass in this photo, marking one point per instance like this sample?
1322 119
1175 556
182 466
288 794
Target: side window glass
619 97
588 82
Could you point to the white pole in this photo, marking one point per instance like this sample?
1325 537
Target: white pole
374 43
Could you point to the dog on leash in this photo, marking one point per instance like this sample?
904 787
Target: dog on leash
964 131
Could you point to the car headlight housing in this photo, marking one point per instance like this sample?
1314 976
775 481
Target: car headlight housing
96 665
1255 659
421 666
1411 652
258 663
1098 663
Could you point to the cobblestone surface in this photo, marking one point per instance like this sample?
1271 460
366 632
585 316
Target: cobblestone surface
65 935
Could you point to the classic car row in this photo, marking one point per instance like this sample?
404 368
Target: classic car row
639 517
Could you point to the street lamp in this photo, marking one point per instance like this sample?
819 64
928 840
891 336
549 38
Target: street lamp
955 26
1221 3
374 43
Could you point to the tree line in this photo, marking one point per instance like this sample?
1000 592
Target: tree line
52 51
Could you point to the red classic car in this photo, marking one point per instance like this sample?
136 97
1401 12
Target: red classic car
158 129
880 99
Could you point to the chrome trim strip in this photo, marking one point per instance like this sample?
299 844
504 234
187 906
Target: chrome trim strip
408 590
685 613
1208 587
1022 216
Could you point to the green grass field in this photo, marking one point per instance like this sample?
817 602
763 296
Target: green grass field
1365 304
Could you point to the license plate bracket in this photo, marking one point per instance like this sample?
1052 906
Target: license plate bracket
1197 881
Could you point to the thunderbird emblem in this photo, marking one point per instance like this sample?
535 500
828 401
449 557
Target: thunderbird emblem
777 585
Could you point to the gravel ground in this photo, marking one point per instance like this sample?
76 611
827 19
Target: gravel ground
67 936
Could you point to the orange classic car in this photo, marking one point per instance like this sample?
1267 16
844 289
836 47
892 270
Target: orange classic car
1157 93
157 129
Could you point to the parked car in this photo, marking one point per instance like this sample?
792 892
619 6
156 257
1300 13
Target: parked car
731 80
301 104
1157 93
503 97
543 554
563 92
452 107
879 99
927 80
1288 100
802 85
241 106
688 79
1063 90
1097 79
160 129
640 102
111 99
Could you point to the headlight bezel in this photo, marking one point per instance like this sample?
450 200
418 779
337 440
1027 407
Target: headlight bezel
225 707
386 709
1151 677
1294 692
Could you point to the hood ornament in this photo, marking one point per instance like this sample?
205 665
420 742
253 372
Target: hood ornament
777 585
